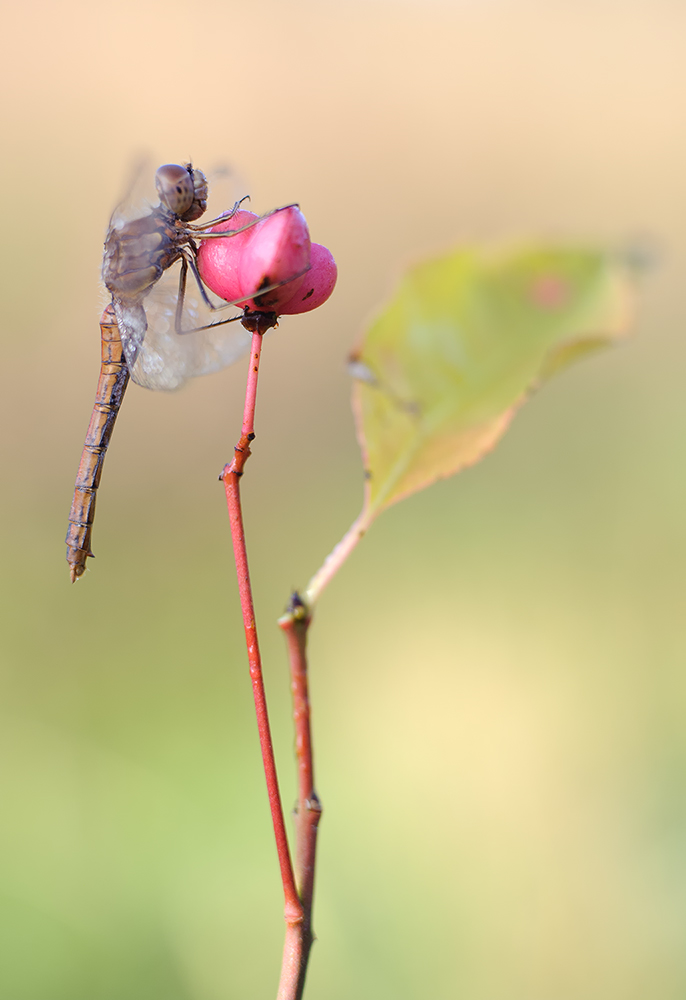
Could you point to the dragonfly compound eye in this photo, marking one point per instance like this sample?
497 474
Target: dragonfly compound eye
175 187
199 194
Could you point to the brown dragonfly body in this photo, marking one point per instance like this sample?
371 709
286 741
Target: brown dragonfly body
114 378
159 354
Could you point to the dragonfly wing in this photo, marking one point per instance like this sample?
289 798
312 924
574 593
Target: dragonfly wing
132 328
139 196
164 358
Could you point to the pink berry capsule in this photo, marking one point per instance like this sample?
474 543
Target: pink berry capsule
219 260
316 286
278 254
274 254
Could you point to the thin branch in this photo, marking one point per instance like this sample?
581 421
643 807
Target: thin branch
231 476
335 559
295 625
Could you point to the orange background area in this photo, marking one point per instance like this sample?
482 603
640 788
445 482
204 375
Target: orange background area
497 674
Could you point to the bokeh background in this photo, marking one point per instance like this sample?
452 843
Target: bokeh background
498 673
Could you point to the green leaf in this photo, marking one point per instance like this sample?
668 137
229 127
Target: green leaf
464 340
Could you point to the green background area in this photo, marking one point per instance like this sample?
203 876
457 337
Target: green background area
498 674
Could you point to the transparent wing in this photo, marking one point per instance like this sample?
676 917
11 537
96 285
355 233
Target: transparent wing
139 195
160 357
225 189
166 358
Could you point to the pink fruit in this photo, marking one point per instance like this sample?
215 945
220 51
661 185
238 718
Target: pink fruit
219 260
273 254
278 254
316 286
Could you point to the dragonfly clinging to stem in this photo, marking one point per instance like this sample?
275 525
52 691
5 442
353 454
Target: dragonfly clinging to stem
158 330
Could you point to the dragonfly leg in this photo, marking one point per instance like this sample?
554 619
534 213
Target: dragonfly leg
189 257
181 298
222 218
233 232
242 301
188 261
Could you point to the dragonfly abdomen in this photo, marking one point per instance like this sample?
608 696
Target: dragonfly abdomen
114 377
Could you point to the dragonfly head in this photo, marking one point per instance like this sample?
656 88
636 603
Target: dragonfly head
199 194
176 186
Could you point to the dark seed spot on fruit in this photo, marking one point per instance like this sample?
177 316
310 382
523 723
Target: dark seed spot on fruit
311 292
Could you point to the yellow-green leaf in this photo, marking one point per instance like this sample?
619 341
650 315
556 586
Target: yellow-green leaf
443 368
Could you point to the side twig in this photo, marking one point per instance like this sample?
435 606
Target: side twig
295 625
336 558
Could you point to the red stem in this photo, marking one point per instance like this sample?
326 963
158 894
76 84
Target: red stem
248 429
296 625
293 909
299 940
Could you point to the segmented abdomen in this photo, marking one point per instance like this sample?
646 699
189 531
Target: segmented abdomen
114 377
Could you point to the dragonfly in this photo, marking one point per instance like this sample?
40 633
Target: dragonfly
160 328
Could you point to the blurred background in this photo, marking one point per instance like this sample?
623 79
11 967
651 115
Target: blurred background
497 674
